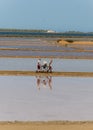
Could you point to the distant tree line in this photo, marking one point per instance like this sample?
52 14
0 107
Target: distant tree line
41 30
22 30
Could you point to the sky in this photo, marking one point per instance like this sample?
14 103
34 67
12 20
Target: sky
57 15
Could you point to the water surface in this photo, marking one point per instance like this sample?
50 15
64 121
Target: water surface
23 99
65 65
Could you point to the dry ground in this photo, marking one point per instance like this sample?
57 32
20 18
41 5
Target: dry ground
33 73
59 125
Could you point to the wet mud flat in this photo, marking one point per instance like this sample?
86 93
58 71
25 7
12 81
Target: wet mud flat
44 47
69 87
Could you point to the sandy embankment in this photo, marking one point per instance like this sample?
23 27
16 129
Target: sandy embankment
59 125
34 73
72 42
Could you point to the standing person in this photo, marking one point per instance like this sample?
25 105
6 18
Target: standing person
39 65
45 65
50 67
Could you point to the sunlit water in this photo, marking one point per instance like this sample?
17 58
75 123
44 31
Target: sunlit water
45 98
69 65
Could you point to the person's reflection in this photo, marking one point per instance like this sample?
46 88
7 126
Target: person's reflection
50 82
44 82
38 82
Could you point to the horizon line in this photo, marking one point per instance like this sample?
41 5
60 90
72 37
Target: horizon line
45 30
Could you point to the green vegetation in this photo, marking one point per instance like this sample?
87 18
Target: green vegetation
21 30
74 32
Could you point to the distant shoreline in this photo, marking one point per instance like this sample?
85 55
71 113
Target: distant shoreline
42 33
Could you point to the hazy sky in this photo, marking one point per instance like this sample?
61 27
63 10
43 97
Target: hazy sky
59 15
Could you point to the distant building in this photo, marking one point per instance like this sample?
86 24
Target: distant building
50 31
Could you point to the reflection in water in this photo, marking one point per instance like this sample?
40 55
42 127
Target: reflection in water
70 99
44 81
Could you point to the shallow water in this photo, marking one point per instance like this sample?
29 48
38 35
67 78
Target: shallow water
68 65
6 53
37 47
61 98
41 47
